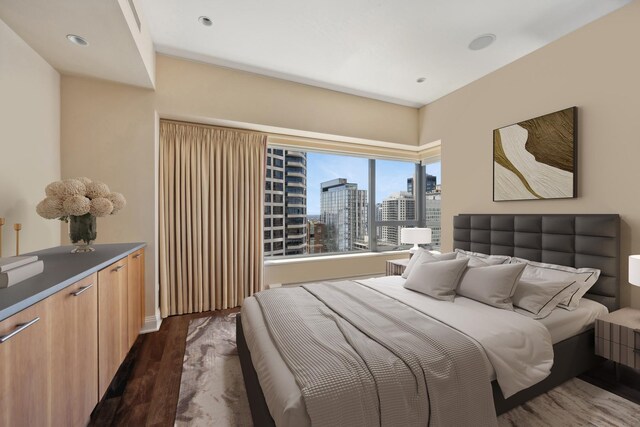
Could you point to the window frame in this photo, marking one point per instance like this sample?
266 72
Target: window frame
372 223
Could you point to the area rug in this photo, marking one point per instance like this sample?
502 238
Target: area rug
212 390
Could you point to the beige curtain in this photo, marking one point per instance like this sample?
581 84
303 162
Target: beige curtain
211 205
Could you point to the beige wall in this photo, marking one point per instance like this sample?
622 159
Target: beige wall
195 90
109 134
597 69
29 142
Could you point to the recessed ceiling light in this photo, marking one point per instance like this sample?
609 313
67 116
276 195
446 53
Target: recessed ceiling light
421 79
482 41
80 41
205 20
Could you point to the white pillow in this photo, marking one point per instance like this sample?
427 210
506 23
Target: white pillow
424 255
542 272
489 259
473 261
538 299
437 279
493 285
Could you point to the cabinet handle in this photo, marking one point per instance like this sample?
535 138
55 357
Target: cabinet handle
19 328
136 256
118 268
81 290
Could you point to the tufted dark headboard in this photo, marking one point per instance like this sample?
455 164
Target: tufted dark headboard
573 240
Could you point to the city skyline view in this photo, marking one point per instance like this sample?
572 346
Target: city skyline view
391 175
300 220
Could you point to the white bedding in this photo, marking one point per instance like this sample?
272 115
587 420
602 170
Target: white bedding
518 360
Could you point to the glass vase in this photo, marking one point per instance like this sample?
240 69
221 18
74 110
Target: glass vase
82 232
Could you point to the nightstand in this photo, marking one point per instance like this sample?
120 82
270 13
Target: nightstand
395 267
618 337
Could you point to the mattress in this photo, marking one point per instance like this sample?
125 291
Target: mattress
281 392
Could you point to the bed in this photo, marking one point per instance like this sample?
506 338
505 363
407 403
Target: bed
572 240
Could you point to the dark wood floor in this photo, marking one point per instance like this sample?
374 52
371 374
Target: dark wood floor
146 388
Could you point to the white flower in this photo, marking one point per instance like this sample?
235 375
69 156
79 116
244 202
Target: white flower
97 189
72 187
54 189
84 180
118 201
101 207
50 208
76 205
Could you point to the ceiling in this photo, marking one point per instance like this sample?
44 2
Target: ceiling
372 48
115 42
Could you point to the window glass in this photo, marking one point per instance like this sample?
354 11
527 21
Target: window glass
323 199
433 194
318 203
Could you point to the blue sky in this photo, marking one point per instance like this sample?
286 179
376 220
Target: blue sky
391 176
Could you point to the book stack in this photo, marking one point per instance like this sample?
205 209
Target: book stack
18 268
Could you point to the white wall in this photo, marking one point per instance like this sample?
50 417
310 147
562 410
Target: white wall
29 142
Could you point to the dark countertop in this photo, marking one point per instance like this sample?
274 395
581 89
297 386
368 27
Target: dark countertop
61 269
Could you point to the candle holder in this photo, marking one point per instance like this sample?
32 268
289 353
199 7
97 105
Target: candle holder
17 227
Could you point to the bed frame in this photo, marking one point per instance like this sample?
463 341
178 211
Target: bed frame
574 240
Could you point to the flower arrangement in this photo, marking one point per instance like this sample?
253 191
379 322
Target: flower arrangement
79 201
77 197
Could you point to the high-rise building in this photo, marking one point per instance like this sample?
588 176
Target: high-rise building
400 206
315 237
429 184
343 210
285 219
432 212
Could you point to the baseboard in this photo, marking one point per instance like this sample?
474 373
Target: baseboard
152 323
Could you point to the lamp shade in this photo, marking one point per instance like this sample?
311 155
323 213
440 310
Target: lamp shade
634 270
415 236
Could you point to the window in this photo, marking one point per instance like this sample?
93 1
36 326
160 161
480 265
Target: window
396 205
433 193
321 203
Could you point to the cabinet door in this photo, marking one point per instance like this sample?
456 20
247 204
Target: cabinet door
74 355
136 294
24 367
112 322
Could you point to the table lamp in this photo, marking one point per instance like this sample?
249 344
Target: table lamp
417 236
634 270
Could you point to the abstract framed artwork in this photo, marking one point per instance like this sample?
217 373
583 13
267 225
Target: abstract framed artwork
537 158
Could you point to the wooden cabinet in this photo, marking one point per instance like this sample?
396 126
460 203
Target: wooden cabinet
58 357
24 367
73 322
135 300
618 336
113 341
396 267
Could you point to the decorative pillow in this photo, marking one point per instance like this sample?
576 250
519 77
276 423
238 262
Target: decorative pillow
437 279
493 285
489 259
542 272
474 261
424 255
537 299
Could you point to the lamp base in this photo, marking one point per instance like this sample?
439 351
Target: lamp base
414 249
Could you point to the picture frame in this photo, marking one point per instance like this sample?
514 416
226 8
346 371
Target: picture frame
537 159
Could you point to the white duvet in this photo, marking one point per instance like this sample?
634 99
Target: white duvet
519 348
